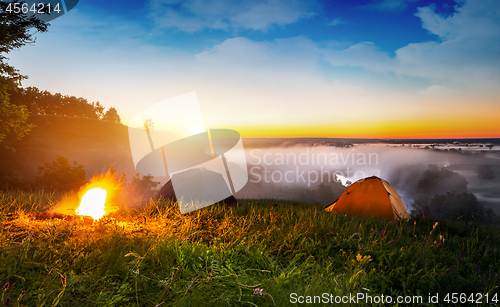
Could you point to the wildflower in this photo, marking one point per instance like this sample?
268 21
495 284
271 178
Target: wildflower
359 257
7 302
460 258
20 297
381 233
421 270
392 240
6 286
63 280
258 291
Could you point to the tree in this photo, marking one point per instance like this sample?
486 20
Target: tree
112 116
14 33
437 180
45 103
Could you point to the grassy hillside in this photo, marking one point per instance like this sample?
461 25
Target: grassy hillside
255 254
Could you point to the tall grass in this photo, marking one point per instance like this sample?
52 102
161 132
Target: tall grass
253 254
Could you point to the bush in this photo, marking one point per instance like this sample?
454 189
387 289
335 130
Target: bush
418 180
60 176
142 188
453 205
14 181
485 172
436 180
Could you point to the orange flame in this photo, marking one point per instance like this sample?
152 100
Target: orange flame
96 197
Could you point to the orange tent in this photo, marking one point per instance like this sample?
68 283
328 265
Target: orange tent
371 196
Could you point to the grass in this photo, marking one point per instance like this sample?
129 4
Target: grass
255 254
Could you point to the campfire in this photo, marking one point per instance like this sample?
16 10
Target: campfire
93 203
96 197
95 200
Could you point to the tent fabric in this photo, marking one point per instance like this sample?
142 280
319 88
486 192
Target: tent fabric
204 180
368 197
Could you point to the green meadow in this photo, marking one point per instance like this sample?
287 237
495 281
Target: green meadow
258 253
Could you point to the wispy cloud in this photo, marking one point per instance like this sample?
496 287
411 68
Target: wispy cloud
337 21
388 5
197 15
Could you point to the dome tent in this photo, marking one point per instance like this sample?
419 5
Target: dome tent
368 197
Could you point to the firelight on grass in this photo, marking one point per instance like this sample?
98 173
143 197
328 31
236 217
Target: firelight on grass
93 203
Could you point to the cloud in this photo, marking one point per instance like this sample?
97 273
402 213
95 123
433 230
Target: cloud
337 21
467 54
388 5
364 54
197 15
472 19
243 82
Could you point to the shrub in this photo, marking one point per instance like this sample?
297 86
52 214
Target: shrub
142 187
14 181
59 175
485 172
436 180
464 206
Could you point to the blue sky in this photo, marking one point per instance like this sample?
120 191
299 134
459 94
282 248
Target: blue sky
375 68
392 24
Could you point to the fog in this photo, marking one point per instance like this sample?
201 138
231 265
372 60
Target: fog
287 172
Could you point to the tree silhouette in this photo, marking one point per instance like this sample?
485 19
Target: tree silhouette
111 115
45 103
14 33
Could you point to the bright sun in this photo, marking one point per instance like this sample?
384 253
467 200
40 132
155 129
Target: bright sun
195 129
92 203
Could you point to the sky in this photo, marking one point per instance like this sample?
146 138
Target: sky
284 68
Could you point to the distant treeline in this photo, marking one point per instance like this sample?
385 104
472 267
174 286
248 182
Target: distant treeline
45 103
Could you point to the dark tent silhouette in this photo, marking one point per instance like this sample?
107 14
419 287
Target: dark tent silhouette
202 184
